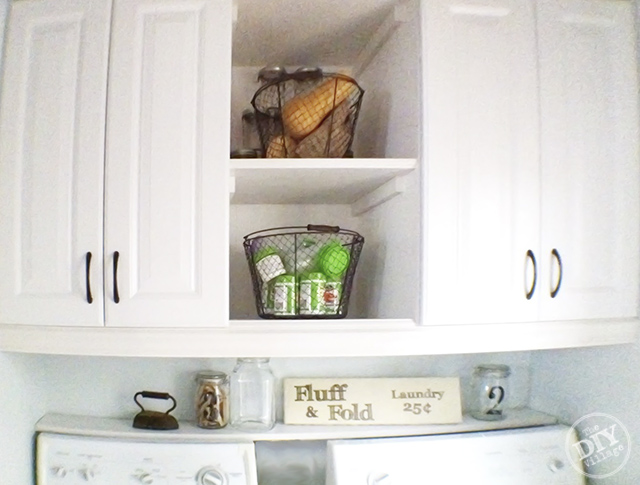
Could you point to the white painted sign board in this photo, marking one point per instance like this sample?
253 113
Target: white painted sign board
372 401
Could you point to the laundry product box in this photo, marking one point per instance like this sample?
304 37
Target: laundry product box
372 401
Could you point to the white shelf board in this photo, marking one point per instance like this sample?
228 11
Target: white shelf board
308 338
188 432
312 181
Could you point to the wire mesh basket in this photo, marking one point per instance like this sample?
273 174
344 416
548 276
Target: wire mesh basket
307 116
303 272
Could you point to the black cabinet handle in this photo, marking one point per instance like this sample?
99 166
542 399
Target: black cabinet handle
88 278
532 257
116 294
556 254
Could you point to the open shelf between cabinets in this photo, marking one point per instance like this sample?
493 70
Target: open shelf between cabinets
362 183
122 429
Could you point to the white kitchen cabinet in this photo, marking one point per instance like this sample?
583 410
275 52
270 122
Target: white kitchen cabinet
532 150
451 193
52 121
481 183
159 189
589 139
167 196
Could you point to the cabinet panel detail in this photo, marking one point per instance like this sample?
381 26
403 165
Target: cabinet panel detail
167 162
52 74
166 170
590 163
51 157
482 179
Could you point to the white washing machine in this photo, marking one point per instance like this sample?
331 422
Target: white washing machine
531 456
73 460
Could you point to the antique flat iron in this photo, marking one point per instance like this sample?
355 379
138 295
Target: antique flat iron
154 419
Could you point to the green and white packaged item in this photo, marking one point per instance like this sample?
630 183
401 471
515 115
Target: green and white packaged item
284 295
332 295
312 289
268 264
267 298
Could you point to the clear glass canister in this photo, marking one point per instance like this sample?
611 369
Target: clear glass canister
212 399
250 136
253 395
490 392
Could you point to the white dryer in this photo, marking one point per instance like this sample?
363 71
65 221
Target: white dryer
530 456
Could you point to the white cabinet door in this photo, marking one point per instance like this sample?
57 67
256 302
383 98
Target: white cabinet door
589 120
166 201
52 122
481 182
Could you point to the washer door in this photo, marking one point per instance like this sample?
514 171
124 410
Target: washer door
526 457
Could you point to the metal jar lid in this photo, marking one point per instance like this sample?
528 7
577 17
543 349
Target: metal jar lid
244 153
211 375
494 370
271 73
249 115
303 73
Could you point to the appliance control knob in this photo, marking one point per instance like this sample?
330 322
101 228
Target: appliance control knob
555 465
88 474
376 478
145 478
211 476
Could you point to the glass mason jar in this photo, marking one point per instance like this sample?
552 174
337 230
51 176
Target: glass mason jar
490 387
212 399
253 395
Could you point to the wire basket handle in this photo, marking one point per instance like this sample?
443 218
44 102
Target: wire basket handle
323 228
317 228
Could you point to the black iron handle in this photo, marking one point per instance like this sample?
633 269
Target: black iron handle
322 228
88 277
532 257
556 254
154 395
116 293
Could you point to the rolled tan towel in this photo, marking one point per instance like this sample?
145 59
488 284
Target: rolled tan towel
335 125
281 146
306 111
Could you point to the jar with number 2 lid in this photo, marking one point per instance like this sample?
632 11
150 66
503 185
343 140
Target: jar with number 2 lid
252 395
490 387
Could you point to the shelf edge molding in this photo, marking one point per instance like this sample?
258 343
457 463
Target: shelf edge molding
382 194
117 428
299 339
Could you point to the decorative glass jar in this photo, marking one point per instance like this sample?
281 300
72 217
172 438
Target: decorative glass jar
212 399
490 389
253 395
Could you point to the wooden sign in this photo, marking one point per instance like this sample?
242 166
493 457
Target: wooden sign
372 401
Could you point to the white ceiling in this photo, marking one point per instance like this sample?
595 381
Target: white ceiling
305 32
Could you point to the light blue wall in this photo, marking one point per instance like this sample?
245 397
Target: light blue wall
21 404
574 383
